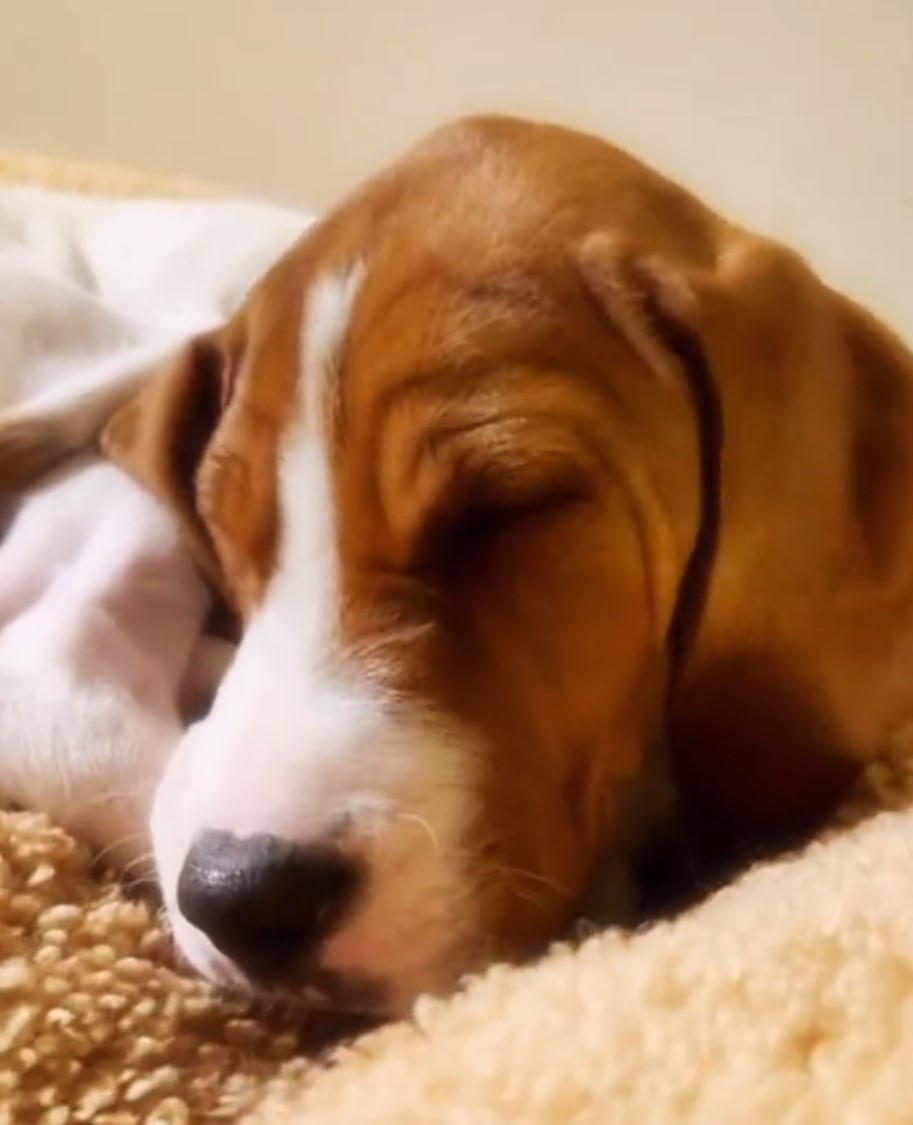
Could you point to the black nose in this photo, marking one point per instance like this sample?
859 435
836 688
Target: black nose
263 901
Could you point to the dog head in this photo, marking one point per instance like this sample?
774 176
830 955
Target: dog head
458 462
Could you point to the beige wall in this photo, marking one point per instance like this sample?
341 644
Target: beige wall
792 114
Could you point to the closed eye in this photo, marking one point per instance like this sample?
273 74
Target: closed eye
485 519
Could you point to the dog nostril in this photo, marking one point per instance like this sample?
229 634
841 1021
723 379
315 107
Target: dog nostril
263 901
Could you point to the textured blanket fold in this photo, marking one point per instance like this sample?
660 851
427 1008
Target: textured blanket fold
92 287
788 997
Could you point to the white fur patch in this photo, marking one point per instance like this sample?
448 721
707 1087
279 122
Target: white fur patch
328 308
305 586
303 741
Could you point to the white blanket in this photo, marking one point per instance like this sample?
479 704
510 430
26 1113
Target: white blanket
91 287
101 610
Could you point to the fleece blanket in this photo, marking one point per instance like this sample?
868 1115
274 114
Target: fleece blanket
786 997
95 289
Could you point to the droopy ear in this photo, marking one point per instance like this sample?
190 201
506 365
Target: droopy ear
159 437
658 306
654 304
777 692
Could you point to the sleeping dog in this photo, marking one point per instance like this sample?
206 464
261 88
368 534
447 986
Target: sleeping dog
519 458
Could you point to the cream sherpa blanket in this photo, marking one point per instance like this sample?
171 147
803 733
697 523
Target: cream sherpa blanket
787 998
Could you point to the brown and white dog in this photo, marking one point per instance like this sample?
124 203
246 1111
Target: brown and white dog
521 457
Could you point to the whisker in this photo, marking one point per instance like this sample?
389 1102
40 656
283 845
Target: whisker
139 873
139 884
525 896
147 857
532 876
113 845
116 795
423 823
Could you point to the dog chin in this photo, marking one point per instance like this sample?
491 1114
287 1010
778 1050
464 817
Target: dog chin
345 993
200 955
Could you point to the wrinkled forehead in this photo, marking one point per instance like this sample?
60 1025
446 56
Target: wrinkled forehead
432 276
465 241
337 313
317 346
335 345
455 241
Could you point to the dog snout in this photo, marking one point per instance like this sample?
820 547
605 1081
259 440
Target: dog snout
263 901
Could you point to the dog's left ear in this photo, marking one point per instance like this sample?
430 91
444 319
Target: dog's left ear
661 308
780 693
654 304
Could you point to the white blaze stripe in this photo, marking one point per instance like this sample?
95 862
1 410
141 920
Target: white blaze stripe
306 581
327 310
281 693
